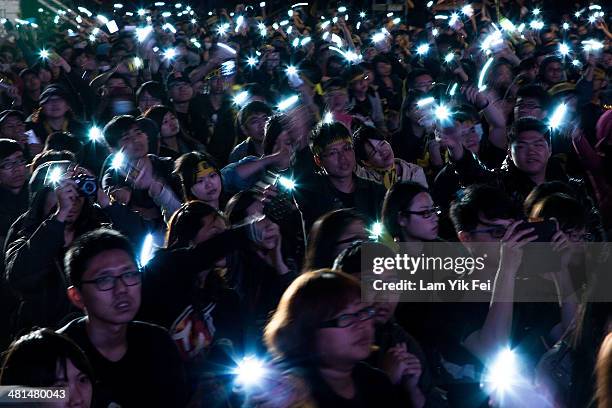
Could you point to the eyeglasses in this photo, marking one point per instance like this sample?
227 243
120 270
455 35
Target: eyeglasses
350 319
495 231
426 213
528 106
11 165
104 283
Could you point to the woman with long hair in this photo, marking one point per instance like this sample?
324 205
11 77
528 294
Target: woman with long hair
173 140
199 178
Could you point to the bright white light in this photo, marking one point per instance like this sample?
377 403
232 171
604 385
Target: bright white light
241 98
295 43
358 25
396 21
95 134
287 183
595 7
85 11
250 371
112 26
102 19
239 21
287 103
328 118
483 74
449 57
592 19
564 49
592 45
169 27
275 26
299 5
429 4
92 38
440 17
138 63
558 116
291 70
289 29
453 89
507 25
146 253
227 48
118 161
422 49
503 373
160 4
118 5
325 24
376 230
521 27
193 21
261 26
141 12
362 14
468 10
221 30
54 175
251 61
305 41
378 37
576 63
442 113
142 33
426 101
491 40
566 26
577 14
435 32
336 40
453 19
536 24
325 35
44 54
178 5
284 23
262 4
536 11
170 53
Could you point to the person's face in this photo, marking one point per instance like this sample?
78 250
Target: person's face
45 76
338 159
422 226
369 78
217 85
607 60
31 82
146 101
355 231
525 107
379 154
79 389
255 126
423 83
55 107
75 210
134 143
118 305
208 188
337 101
553 73
384 311
345 346
13 128
212 225
180 92
503 76
13 172
170 125
86 62
360 86
470 136
489 230
530 152
116 85
532 73
267 230
284 142
383 69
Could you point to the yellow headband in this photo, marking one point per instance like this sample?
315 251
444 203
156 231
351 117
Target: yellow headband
204 169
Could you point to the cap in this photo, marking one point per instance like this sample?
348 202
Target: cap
51 91
176 78
334 84
9 113
562 88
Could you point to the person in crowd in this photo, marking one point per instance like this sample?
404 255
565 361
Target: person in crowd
13 187
126 355
365 102
12 126
61 209
532 101
45 359
31 91
377 162
199 179
251 121
331 234
149 94
322 329
173 140
338 186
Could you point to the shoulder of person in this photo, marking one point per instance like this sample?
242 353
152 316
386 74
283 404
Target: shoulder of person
366 374
148 332
74 328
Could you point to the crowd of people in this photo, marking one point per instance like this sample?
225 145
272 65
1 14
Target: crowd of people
185 197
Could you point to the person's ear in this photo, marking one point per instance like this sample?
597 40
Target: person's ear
74 295
464 236
402 220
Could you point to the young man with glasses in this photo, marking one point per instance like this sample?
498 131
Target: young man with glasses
252 121
135 363
13 186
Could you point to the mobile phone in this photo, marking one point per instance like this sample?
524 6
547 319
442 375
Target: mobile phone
545 230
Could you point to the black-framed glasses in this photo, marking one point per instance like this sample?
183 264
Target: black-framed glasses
425 213
11 165
350 319
495 231
104 283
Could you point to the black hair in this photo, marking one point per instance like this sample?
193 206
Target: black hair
481 200
9 147
543 190
361 137
565 209
324 235
546 62
33 359
49 156
61 141
186 222
535 92
90 244
186 169
350 259
153 88
236 208
414 74
529 124
251 109
274 127
325 134
399 198
114 130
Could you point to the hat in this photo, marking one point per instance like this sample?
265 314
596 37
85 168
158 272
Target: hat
355 73
334 84
176 78
8 147
562 88
27 71
40 180
51 91
8 113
